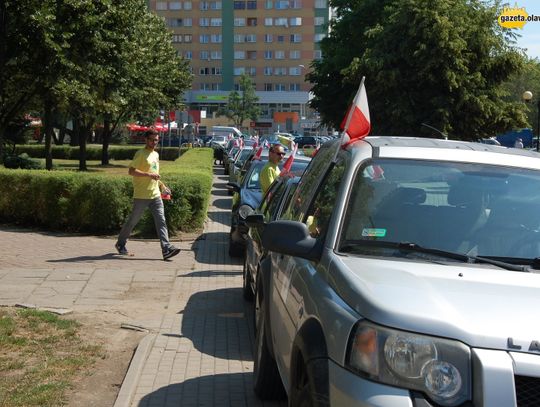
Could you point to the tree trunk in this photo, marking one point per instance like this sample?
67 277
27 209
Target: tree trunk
106 135
2 131
75 134
48 132
83 135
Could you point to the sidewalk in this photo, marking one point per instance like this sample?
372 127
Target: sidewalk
199 349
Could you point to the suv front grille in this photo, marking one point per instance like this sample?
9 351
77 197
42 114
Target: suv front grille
527 391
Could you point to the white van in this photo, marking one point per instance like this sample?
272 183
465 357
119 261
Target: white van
225 131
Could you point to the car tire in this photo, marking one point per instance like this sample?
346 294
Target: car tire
309 393
246 283
266 380
235 250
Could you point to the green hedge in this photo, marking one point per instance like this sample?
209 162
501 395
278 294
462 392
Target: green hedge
100 203
93 152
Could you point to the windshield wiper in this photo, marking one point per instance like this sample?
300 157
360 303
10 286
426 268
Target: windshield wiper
413 247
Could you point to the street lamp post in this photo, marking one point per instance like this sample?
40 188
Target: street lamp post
527 97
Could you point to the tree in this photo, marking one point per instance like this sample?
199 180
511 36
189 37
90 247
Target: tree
243 105
440 63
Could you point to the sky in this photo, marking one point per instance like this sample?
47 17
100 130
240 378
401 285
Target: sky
530 34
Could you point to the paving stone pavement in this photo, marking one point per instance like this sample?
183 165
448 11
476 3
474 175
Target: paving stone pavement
199 349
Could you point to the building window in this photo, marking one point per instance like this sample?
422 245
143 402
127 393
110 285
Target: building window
319 37
282 4
188 38
204 39
251 55
251 38
317 54
216 55
215 22
215 38
295 54
239 22
239 38
175 22
188 5
295 71
215 5
296 4
295 87
252 5
252 22
280 87
239 5
188 55
280 38
279 55
177 38
239 70
204 22
269 4
239 55
251 71
188 22
280 71
161 5
318 21
281 22
321 4
295 21
268 87
296 38
268 71
268 21
204 55
267 54
203 5
268 37
175 5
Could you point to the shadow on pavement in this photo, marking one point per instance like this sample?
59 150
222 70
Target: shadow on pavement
211 273
220 217
223 203
108 256
209 391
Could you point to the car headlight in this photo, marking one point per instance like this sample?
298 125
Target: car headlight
440 368
244 211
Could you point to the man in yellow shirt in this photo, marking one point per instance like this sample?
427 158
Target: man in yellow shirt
271 170
144 169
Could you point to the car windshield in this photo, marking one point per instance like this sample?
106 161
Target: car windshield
473 209
297 169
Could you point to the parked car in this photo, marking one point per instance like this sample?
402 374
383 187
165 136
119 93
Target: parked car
404 272
237 162
307 141
270 209
247 196
218 141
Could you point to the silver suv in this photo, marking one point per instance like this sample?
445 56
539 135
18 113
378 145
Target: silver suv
406 274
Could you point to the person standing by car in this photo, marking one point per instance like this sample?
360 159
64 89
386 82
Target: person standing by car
518 143
271 170
144 169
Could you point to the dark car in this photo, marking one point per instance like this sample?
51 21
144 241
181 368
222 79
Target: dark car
270 209
307 141
247 196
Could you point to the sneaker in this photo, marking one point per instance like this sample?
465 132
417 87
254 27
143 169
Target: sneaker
170 252
121 249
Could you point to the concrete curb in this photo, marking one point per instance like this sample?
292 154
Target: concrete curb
129 385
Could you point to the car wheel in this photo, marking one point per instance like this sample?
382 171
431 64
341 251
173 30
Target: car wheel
266 380
235 250
246 285
311 390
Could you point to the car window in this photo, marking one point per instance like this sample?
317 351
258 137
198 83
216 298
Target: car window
469 208
272 198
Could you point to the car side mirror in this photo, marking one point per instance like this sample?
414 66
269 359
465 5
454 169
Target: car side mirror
255 220
291 238
234 186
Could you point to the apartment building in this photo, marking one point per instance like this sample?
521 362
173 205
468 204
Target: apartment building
273 41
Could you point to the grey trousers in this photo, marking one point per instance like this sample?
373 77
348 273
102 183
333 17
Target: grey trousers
158 213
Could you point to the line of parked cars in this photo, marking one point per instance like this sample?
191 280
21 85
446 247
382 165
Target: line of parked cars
396 272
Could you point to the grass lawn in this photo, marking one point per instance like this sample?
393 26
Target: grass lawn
40 356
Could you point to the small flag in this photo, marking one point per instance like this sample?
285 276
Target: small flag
258 154
356 125
289 162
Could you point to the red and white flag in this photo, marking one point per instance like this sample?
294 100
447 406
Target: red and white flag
258 154
288 163
356 124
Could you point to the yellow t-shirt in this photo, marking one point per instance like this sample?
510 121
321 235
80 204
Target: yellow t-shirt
268 174
145 187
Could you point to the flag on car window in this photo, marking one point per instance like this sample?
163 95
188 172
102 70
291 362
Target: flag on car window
258 154
356 123
288 163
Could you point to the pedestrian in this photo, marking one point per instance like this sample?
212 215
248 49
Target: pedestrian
518 143
271 170
147 186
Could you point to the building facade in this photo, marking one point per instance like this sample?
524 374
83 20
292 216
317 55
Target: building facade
272 41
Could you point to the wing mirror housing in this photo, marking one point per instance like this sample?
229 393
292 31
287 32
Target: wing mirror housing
291 238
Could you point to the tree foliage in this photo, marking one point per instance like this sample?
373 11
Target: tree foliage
441 63
242 105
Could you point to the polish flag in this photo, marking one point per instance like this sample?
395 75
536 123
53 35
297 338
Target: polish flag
288 163
356 124
258 154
